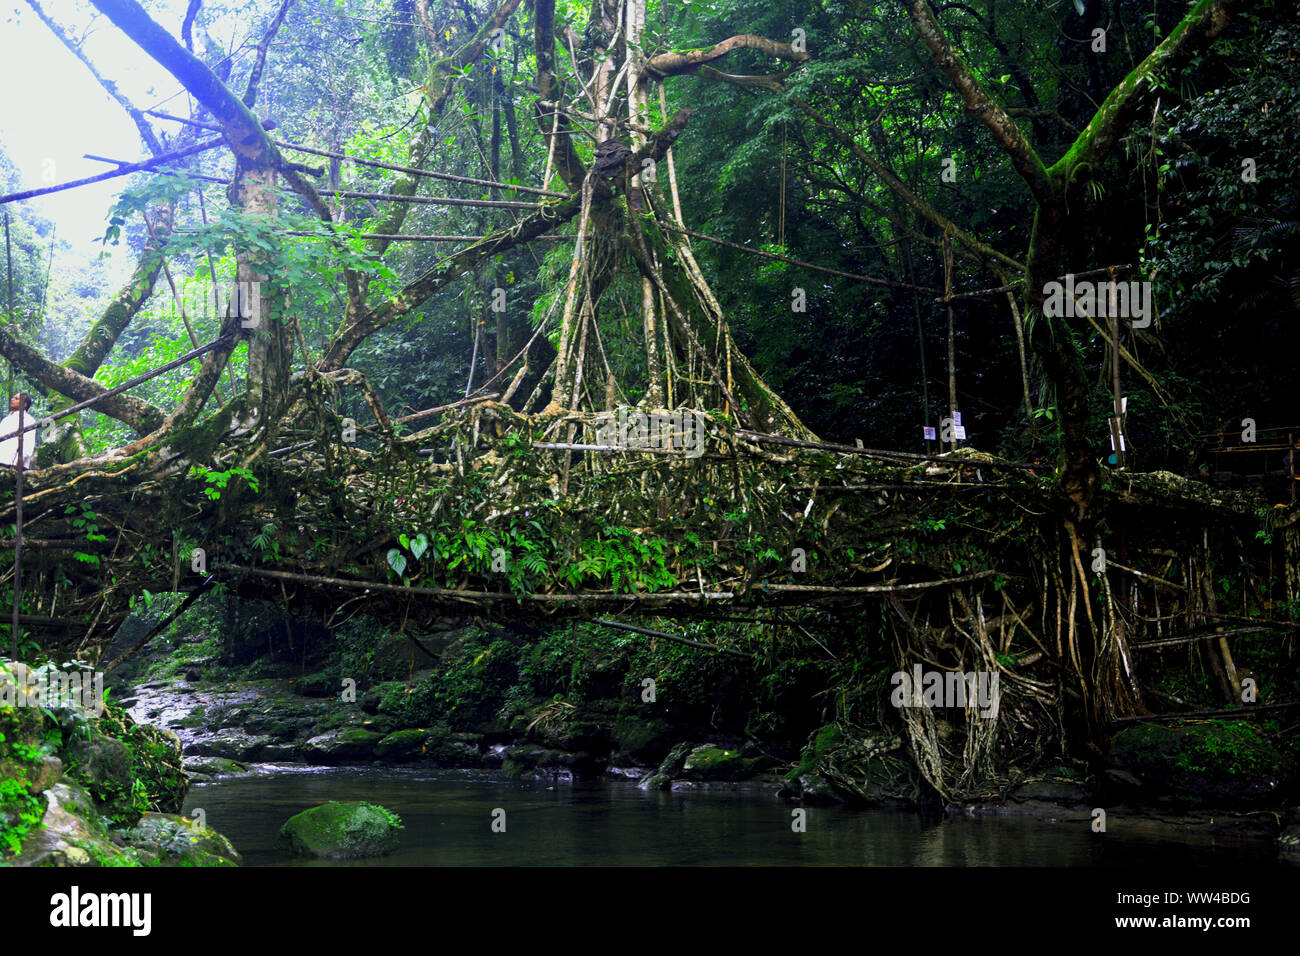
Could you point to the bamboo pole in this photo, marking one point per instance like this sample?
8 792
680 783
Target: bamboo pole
18 531
1248 710
113 173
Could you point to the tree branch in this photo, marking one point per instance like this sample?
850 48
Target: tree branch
676 64
767 81
550 118
1194 33
138 414
242 130
438 90
441 274
254 78
1004 129
146 131
984 252
454 266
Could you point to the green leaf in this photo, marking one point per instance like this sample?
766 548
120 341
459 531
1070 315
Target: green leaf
396 560
418 546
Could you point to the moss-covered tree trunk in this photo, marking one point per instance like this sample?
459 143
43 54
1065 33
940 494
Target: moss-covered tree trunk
1092 651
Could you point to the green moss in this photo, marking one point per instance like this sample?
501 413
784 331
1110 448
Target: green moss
129 768
20 809
402 744
173 840
342 831
822 741
715 763
1204 761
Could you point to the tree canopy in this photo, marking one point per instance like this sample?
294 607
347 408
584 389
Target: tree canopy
812 226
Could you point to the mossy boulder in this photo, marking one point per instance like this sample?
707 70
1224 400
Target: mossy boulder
168 839
214 766
72 833
669 768
642 743
318 685
715 763
820 743
1203 763
342 746
103 767
1288 845
341 831
402 745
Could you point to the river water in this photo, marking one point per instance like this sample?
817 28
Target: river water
448 816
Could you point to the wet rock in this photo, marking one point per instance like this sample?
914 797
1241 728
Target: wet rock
174 840
341 831
641 743
103 766
342 746
1117 786
669 768
213 766
1054 791
231 743
282 753
402 745
71 832
816 790
460 750
227 714
715 763
1288 845
525 759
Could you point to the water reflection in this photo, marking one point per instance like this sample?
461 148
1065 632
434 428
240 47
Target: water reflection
448 815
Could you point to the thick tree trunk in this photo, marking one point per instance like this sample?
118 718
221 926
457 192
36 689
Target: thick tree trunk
268 346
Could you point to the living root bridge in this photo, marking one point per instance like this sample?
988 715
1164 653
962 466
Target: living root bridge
528 604
470 516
